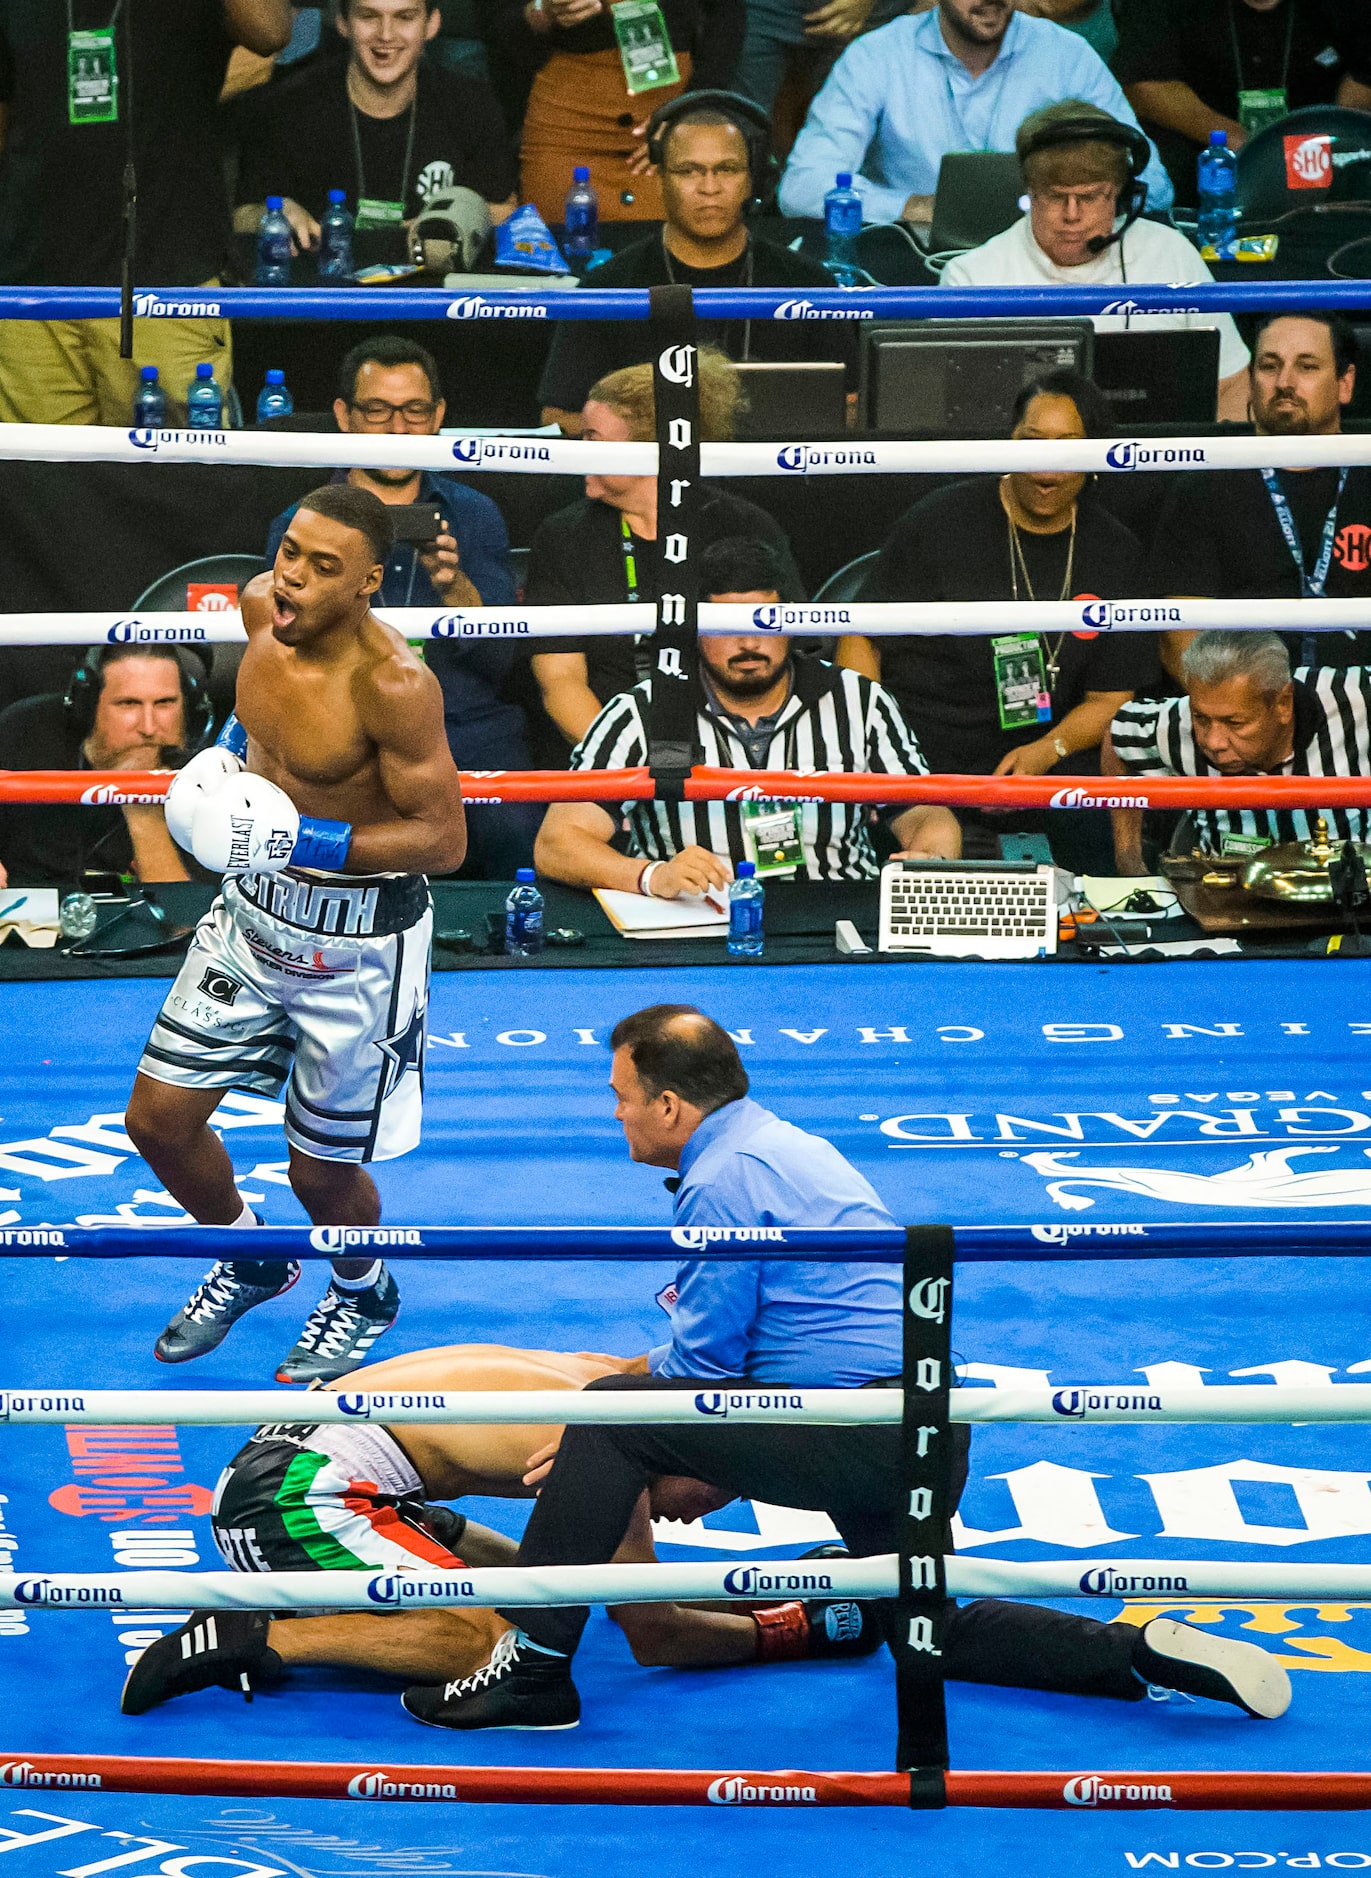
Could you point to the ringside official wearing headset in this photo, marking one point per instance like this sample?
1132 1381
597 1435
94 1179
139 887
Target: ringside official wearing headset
1083 170
712 150
125 707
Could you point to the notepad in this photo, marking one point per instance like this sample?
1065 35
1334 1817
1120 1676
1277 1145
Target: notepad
637 916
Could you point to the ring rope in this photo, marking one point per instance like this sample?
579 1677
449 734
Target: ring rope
1244 1404
816 619
1107 1790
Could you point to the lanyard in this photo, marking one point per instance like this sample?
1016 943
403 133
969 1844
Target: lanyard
1311 585
630 558
108 28
1237 52
409 152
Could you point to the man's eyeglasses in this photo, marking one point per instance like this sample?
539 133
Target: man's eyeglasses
1093 197
696 172
376 411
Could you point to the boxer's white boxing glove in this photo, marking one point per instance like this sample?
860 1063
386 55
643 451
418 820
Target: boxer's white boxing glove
244 826
201 778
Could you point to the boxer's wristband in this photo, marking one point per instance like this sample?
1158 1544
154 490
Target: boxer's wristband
233 738
321 844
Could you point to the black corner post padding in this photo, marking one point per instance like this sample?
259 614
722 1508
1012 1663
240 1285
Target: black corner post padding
673 746
924 1514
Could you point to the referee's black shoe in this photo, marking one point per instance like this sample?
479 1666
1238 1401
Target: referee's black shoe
212 1650
522 1686
1172 1655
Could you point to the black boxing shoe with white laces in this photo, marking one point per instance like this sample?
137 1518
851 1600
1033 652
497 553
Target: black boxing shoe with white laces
229 1290
212 1650
341 1330
522 1686
1171 1655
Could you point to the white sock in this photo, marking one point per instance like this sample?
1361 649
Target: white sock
246 1218
369 1279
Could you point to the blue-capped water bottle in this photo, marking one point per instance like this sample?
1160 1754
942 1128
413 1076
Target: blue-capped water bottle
150 401
274 400
842 225
1217 226
335 240
746 898
273 246
205 400
581 218
524 917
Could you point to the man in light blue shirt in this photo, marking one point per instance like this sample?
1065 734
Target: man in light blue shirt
962 77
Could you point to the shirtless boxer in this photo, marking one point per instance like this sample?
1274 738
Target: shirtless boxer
329 796
354 1496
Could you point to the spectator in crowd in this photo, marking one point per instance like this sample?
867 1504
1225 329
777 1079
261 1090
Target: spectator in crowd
1020 704
247 70
1236 65
712 153
152 95
963 77
124 708
1080 230
809 34
384 125
1285 533
585 106
758 709
1094 20
389 385
1244 713
602 550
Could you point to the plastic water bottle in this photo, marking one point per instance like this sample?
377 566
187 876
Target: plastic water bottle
581 217
524 917
842 225
274 400
273 247
746 897
205 400
1217 226
150 402
335 240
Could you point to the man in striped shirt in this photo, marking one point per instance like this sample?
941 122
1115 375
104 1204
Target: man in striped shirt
759 709
1245 714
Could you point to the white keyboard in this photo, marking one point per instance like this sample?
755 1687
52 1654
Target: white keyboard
968 909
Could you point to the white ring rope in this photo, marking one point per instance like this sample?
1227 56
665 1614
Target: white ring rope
565 456
224 626
757 1579
1252 1403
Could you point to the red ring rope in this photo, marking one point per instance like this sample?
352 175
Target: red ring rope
113 787
646 1786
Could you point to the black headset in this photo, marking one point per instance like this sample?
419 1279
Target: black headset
86 683
1137 150
748 118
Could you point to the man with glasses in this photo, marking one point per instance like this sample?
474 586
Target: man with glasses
1079 231
712 159
390 385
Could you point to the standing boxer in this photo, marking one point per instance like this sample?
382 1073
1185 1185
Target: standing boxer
323 808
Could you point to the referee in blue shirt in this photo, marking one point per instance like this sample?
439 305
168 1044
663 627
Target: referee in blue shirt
683 1102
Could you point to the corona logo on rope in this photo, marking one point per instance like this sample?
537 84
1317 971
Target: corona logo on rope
127 632
1091 1790
25 1774
777 619
1080 1402
1058 1235
1104 1581
397 1588
807 456
475 306
110 795
44 1591
716 1402
335 1238
198 439
1100 615
744 1790
1131 307
696 1238
380 1786
150 306
746 1581
806 310
1133 455
756 792
464 626
1091 799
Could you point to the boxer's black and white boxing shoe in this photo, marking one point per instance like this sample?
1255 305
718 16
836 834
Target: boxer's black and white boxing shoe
230 1289
1171 1655
522 1686
341 1330
213 1650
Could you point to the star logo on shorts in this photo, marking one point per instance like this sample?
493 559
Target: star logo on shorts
404 1051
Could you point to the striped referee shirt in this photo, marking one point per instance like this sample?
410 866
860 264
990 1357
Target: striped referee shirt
832 720
1332 735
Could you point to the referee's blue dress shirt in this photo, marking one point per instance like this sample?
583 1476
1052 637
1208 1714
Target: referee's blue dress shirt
826 1325
898 100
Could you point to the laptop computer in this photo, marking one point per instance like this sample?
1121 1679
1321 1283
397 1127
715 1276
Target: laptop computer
792 401
980 193
1159 377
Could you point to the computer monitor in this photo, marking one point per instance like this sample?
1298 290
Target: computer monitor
791 402
980 193
959 378
1159 377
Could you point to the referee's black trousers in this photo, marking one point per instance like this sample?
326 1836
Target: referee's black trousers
584 1509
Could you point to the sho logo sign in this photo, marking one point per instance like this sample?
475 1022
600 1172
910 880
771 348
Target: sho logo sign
928 1299
677 365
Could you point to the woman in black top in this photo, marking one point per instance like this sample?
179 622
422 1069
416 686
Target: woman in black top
1014 704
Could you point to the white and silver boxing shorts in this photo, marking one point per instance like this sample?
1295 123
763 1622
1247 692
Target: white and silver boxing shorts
314 982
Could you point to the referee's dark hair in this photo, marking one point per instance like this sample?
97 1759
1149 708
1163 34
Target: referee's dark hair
676 1047
1342 334
737 564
